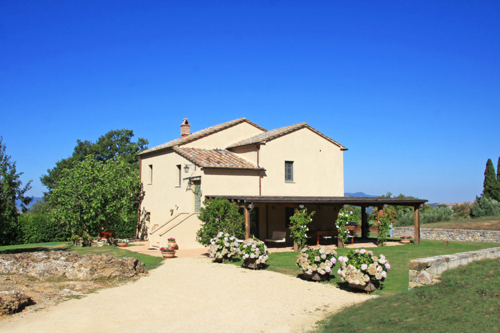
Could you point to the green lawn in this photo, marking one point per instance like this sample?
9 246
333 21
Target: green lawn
467 300
398 256
150 261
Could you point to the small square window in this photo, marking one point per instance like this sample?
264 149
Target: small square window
288 171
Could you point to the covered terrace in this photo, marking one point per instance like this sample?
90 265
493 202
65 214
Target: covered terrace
271 213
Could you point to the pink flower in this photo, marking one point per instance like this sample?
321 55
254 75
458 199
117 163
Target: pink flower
364 267
388 266
339 272
362 251
384 274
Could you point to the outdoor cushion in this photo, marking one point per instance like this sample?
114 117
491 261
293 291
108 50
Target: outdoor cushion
278 237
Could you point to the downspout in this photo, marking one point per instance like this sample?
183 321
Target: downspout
260 174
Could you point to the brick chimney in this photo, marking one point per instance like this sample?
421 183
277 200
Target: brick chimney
185 128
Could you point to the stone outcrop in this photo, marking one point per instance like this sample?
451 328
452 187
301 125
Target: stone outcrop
426 271
62 264
13 301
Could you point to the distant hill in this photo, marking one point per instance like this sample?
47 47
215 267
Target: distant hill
360 194
18 203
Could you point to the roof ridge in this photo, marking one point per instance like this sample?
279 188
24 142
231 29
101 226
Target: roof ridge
200 134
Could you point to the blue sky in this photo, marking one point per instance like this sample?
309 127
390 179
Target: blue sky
412 89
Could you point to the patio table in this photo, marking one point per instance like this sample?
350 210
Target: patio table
323 233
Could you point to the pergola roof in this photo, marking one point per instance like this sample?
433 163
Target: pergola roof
356 201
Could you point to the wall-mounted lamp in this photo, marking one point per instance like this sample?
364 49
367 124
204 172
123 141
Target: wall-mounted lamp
186 168
301 206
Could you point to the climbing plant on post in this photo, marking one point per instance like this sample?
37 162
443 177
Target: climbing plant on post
298 227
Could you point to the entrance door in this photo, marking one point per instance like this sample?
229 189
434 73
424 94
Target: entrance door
254 222
197 195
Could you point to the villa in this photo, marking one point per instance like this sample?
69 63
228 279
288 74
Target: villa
267 173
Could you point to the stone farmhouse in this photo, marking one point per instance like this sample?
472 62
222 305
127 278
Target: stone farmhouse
267 173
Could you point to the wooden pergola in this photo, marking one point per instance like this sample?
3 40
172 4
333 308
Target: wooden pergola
248 202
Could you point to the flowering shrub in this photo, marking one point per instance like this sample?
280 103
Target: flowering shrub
341 225
360 267
107 234
122 241
254 249
405 237
224 247
167 249
316 260
383 229
298 226
171 239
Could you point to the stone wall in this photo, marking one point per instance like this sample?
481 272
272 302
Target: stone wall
426 271
461 235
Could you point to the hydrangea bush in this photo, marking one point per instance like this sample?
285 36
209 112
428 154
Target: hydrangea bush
254 253
317 262
361 268
224 247
298 226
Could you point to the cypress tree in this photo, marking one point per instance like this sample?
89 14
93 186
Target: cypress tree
491 186
498 171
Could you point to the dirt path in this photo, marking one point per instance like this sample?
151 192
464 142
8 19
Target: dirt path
193 295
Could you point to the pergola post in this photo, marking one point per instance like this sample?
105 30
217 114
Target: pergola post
365 229
416 236
380 211
246 214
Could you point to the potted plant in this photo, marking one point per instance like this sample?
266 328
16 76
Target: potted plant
224 247
405 239
172 243
167 252
317 262
122 242
254 253
363 270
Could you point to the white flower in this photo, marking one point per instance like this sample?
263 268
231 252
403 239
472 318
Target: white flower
384 274
362 251
364 267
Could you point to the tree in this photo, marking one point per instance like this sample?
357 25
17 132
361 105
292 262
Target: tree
498 172
491 186
11 189
108 147
219 215
94 196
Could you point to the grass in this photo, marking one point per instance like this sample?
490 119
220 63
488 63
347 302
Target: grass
398 256
467 300
149 261
482 223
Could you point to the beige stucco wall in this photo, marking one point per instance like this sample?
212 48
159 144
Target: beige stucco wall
249 153
318 168
230 182
226 137
164 193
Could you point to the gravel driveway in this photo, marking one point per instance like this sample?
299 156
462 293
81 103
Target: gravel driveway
194 295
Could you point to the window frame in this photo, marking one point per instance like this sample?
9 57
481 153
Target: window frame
290 164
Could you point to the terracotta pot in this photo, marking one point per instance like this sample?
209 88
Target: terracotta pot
405 241
316 276
168 254
369 287
173 245
122 244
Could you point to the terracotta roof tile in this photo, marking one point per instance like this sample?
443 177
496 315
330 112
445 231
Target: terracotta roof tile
278 132
215 158
199 134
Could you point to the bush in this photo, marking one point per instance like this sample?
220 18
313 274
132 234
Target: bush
298 226
485 207
38 228
461 211
219 215
439 214
224 247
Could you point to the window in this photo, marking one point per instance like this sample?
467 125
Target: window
179 174
151 173
288 171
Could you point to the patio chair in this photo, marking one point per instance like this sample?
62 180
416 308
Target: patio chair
278 237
